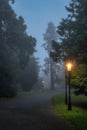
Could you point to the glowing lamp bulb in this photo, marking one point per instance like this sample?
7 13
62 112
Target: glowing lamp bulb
69 66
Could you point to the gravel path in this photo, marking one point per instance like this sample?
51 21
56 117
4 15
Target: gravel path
31 113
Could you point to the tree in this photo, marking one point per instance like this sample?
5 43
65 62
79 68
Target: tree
50 35
72 31
73 34
16 47
29 75
79 79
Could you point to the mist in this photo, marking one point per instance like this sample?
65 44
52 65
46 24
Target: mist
38 40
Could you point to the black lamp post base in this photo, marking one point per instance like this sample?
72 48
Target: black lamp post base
69 108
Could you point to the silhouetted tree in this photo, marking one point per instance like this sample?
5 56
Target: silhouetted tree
16 48
72 32
29 75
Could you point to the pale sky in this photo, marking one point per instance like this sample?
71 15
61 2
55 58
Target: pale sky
37 14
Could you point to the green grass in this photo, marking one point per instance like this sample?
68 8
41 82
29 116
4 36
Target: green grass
78 116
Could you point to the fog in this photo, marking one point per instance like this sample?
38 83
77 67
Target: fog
37 39
61 79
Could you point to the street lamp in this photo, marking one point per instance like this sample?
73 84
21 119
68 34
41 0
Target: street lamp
69 68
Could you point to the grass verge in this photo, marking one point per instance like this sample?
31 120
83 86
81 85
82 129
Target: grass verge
78 115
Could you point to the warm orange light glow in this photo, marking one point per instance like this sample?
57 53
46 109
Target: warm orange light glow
69 66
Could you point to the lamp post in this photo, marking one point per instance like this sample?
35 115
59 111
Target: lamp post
69 68
65 87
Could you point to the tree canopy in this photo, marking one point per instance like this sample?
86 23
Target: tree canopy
16 48
72 32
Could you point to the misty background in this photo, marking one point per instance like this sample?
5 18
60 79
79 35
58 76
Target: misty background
27 29
39 13
36 41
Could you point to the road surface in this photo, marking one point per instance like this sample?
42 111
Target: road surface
31 113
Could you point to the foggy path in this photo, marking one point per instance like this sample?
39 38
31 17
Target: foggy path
31 113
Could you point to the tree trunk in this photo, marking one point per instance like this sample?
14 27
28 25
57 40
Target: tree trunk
52 87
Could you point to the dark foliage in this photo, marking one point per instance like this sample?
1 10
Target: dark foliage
16 49
72 44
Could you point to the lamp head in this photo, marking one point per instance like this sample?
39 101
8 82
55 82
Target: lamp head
69 66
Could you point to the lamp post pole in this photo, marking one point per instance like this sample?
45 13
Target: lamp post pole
69 68
69 98
65 87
